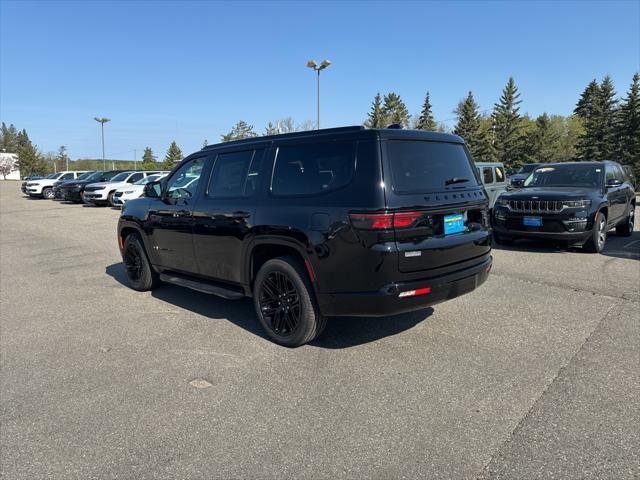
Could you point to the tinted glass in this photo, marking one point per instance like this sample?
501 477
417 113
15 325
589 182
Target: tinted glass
86 175
149 178
487 174
528 168
135 177
235 174
121 177
184 182
565 176
419 166
312 168
619 173
499 174
67 176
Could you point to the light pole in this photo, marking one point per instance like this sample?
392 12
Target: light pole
317 68
102 121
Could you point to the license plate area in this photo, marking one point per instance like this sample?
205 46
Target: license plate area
532 221
453 223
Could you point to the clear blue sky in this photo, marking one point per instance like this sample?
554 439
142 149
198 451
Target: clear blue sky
189 70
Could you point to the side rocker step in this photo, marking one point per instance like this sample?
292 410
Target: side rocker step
200 286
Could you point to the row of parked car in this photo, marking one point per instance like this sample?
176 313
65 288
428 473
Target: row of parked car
109 187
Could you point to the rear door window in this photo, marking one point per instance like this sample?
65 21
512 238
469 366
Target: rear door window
312 168
487 175
424 166
235 174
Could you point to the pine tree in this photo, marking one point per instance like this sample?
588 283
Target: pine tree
375 118
239 131
271 129
426 120
8 138
607 113
507 126
629 127
149 160
586 110
473 129
172 157
543 141
394 110
30 161
205 143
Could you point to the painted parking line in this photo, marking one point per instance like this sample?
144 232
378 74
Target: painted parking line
628 245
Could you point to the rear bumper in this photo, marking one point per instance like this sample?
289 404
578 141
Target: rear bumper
386 301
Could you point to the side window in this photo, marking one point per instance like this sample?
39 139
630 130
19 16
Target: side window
135 177
312 168
184 182
487 175
235 174
67 176
499 174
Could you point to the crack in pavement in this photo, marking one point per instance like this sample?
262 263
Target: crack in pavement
518 426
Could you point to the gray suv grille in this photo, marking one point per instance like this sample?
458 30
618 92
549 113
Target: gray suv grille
535 206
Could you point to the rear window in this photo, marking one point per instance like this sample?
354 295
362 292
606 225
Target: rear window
421 166
312 168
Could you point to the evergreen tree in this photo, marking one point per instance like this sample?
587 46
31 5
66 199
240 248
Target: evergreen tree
172 157
597 109
472 128
30 161
426 120
8 138
205 143
376 117
62 159
394 110
543 141
239 131
149 160
629 127
507 124
271 129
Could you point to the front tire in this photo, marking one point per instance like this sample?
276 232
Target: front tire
48 193
285 303
110 199
598 237
138 269
626 229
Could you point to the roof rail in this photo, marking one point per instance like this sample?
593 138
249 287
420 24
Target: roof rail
306 133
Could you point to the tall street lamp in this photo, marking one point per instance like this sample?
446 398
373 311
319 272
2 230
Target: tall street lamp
317 68
102 121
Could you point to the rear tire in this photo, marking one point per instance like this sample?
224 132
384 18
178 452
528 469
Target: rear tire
138 269
285 303
596 241
626 229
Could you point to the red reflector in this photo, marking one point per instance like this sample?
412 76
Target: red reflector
312 275
415 293
121 242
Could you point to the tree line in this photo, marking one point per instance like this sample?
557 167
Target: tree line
601 126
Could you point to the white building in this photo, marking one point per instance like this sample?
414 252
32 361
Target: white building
9 159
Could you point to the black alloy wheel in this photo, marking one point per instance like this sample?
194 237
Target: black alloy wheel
138 270
280 303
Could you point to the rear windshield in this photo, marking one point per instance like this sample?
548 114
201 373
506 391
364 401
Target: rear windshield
422 166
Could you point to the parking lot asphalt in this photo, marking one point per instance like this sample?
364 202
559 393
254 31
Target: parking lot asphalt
533 375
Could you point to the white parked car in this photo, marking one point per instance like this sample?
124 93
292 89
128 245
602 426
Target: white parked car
44 187
135 190
102 193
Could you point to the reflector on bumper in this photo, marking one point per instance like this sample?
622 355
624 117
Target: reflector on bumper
414 293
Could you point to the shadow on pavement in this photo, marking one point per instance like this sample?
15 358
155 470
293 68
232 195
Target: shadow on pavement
341 332
623 247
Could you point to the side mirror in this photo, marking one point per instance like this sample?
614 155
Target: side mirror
613 182
153 190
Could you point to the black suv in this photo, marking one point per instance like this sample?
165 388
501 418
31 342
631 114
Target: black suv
333 222
572 202
74 190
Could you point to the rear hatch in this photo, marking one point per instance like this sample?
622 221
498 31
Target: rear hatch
438 204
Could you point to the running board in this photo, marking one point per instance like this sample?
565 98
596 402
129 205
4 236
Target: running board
203 287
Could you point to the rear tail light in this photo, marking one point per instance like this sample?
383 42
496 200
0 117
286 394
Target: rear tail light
415 293
382 221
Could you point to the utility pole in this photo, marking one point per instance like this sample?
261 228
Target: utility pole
102 121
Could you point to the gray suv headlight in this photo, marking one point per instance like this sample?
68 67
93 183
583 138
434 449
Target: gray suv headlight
576 203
